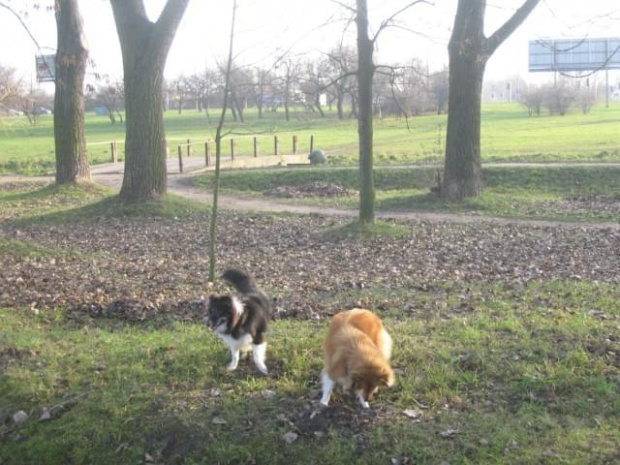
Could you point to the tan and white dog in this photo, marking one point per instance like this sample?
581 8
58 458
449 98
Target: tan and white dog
357 355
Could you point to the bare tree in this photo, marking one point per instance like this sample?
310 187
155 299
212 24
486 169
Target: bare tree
289 79
586 98
205 87
33 104
343 64
111 96
314 83
11 87
218 150
181 90
469 51
241 84
408 89
533 99
558 98
439 84
263 85
145 46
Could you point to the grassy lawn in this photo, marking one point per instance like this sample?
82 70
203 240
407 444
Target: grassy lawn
508 134
557 193
503 381
489 370
50 204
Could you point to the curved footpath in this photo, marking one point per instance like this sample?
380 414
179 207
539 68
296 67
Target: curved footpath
111 175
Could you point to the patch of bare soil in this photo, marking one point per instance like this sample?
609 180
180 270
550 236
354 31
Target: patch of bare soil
313 189
152 267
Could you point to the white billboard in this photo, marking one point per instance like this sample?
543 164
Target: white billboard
46 68
574 54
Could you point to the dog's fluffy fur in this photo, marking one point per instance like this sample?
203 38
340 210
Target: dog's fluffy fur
357 355
241 322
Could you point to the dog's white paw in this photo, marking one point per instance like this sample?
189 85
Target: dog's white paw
365 404
231 367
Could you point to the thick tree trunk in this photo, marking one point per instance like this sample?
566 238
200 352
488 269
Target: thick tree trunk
365 72
463 165
70 142
145 143
145 46
469 50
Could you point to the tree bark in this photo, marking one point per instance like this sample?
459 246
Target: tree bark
469 50
365 72
70 142
145 46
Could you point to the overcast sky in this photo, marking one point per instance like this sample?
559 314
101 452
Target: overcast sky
268 28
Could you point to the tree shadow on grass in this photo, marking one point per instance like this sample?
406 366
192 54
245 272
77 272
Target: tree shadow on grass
111 206
428 203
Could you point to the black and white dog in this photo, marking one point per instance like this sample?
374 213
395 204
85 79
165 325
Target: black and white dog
241 322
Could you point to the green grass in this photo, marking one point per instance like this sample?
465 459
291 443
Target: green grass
520 192
508 134
519 381
524 372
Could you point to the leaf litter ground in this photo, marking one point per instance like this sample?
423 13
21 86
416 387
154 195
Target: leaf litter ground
137 269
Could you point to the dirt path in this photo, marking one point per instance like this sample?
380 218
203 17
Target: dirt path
181 184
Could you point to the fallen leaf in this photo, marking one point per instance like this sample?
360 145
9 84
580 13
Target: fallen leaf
290 437
413 414
450 433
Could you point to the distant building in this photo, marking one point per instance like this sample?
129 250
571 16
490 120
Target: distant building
507 90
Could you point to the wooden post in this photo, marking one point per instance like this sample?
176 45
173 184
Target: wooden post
189 147
311 143
180 159
232 148
113 152
207 154
255 147
294 145
276 148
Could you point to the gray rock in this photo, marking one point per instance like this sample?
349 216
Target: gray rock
317 157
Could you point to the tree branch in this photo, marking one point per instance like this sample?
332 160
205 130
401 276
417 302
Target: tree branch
509 26
385 23
345 6
21 21
168 21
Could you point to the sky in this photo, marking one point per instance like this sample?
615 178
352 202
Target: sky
267 29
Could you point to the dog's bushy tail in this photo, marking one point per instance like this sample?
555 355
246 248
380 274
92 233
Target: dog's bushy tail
246 286
241 281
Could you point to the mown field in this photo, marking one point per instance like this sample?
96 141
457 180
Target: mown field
508 134
507 338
